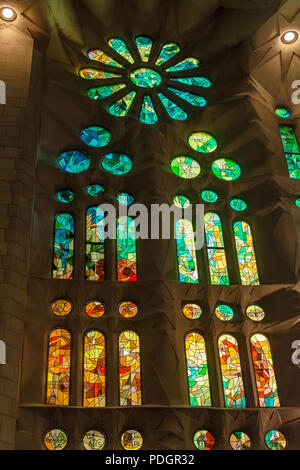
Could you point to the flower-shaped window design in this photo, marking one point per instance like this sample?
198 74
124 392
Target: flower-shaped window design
145 79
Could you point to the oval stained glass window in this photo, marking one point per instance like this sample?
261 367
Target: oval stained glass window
238 205
181 201
128 309
56 439
95 190
93 440
282 112
224 312
116 163
185 167
65 195
95 309
240 441
131 440
192 311
255 313
61 307
125 199
226 169
209 196
297 202
204 440
275 440
145 78
95 136
74 161
203 142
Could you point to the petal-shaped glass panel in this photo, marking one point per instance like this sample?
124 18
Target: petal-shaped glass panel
168 50
194 81
148 114
102 92
194 100
74 161
120 47
90 73
144 45
103 58
121 107
116 163
95 136
173 110
186 64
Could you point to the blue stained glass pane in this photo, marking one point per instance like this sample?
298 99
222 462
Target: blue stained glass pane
120 47
148 114
194 81
186 64
96 136
144 45
168 50
116 163
195 100
125 199
102 92
74 161
95 190
63 247
174 111
65 196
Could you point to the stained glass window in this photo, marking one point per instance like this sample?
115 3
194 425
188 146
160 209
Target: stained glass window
59 368
116 163
203 142
291 150
74 161
204 440
215 249
192 311
122 107
194 81
65 196
144 45
224 312
275 440
63 247
238 205
186 64
255 312
168 51
191 98
95 309
233 386
173 110
264 371
186 253
148 114
102 92
209 196
240 441
245 254
102 57
282 112
126 249
93 440
181 201
94 370
95 190
95 136
94 244
297 202
61 307
128 309
125 199
56 439
130 369
226 169
185 167
131 440
120 47
145 78
90 73
197 370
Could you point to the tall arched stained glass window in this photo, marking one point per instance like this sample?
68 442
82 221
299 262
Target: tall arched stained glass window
233 386
94 244
59 367
245 254
264 371
63 247
291 150
94 369
130 369
215 249
196 361
186 253
126 249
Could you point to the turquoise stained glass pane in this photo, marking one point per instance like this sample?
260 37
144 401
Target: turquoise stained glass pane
293 163
282 112
194 81
65 196
63 247
103 58
74 161
238 205
297 202
121 107
95 256
144 45
148 114
181 201
168 50
120 47
125 199
289 140
186 253
186 64
173 110
194 100
185 167
116 163
145 78
209 196
95 190
102 92
95 136
226 169
224 312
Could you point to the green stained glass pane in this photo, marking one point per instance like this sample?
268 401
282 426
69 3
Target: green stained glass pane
148 114
289 140
102 92
238 205
181 201
203 142
209 196
255 312
275 440
226 169
125 199
293 163
103 58
282 112
186 253
89 73
185 167
145 78
126 249
74 161
144 45
297 202
194 100
122 106
116 163
215 249
56 439
168 50
120 47
204 440
63 247
65 196
173 110
194 81
224 312
213 230
245 253
197 370
95 136
186 64
95 190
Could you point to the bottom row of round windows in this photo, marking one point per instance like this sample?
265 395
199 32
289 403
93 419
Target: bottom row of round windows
57 439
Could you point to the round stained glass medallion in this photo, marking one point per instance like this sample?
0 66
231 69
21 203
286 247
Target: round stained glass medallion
55 439
185 167
74 161
255 313
95 136
282 112
93 440
131 440
192 311
226 169
240 441
209 196
204 440
297 202
275 440
65 195
116 163
181 201
145 78
95 190
224 312
125 199
61 307
128 309
95 309
238 205
203 142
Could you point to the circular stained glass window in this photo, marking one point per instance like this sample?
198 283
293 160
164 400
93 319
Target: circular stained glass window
125 199
116 163
238 205
128 309
282 112
56 439
209 196
297 202
185 167
255 313
95 309
226 169
65 196
95 190
192 311
145 78
224 312
131 440
95 136
74 161
181 201
93 440
275 440
203 142
61 307
204 440
240 441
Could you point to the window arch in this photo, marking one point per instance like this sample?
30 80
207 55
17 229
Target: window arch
130 369
94 369
245 253
59 367
197 370
233 386
94 244
291 150
264 371
126 249
63 247
215 249
186 253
